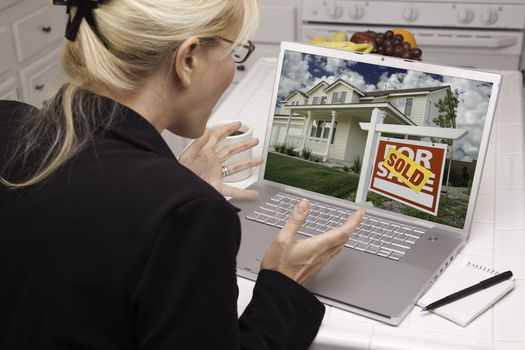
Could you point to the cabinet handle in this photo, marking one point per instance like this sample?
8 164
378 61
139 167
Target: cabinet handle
39 87
46 29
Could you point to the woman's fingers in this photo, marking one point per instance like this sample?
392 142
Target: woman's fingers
234 192
295 221
340 235
234 148
238 167
302 259
224 131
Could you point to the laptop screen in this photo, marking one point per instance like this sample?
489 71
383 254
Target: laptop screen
423 143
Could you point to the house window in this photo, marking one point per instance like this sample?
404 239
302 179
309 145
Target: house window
408 106
326 131
317 128
323 100
338 97
321 129
316 100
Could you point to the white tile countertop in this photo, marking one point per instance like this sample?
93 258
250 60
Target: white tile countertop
497 238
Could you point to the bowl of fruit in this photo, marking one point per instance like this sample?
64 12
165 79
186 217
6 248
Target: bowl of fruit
397 42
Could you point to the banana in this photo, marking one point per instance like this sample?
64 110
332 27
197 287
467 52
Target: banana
319 39
347 45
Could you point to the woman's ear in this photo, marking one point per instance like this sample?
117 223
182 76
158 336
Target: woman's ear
185 61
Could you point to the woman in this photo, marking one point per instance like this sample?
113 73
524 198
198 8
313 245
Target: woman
106 240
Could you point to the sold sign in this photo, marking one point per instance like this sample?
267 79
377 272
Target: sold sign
409 172
405 169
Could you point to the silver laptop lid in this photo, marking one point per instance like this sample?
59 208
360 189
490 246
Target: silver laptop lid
323 106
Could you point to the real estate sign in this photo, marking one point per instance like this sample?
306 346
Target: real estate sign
409 172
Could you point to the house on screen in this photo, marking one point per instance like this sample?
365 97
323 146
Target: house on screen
325 119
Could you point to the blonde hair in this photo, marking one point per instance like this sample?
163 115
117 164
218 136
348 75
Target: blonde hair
140 35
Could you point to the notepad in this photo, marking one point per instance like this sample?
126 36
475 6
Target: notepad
464 310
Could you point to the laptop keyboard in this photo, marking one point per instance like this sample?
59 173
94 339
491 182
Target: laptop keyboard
373 235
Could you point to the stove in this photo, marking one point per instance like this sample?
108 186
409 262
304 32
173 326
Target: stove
469 33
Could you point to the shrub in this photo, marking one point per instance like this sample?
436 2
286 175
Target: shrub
469 187
356 165
290 150
376 199
307 153
279 147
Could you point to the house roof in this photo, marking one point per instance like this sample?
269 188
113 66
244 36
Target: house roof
341 81
293 93
368 106
322 82
404 91
367 94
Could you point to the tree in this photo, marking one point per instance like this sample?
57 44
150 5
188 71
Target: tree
447 109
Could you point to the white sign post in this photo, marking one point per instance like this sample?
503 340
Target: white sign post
376 127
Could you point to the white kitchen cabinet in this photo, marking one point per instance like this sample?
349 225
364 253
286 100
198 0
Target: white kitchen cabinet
38 30
6 3
31 36
5 55
278 22
8 90
41 79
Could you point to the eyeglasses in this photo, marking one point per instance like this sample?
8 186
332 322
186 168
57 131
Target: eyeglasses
242 52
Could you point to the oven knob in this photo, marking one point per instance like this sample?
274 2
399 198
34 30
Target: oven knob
410 14
465 15
334 10
357 11
489 16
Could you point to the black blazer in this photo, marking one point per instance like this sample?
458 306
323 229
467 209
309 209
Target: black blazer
124 248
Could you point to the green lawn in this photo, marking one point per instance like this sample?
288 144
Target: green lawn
318 178
452 211
309 176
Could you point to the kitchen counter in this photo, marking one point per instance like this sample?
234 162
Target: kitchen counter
497 238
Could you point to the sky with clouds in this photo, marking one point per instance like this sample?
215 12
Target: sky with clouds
302 72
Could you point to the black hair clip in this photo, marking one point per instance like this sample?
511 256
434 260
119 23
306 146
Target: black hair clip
75 2
85 10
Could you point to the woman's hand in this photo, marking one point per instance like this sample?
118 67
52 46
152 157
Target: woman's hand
302 259
205 160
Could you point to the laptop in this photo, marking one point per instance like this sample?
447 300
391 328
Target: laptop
404 139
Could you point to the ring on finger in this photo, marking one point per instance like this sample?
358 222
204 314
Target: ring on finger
225 171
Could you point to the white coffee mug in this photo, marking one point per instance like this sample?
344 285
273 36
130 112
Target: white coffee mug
244 133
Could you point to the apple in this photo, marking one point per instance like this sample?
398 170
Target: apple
363 37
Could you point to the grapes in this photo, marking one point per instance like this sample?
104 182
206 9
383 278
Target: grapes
398 51
416 52
389 44
398 38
